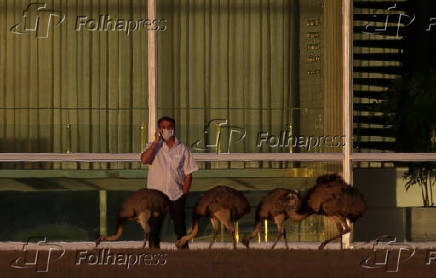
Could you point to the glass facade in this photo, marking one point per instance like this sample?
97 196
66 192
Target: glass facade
256 78
252 76
78 83
400 200
55 202
394 77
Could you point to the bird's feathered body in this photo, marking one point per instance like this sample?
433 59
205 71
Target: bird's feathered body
220 204
333 197
330 197
140 206
278 205
276 202
222 197
144 199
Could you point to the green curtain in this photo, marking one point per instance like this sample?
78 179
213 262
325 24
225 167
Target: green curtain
95 82
233 60
244 61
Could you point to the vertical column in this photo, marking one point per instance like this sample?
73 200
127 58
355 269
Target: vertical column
152 71
332 84
347 79
310 79
332 73
103 212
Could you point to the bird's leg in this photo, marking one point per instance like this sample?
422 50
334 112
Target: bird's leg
278 220
142 219
286 240
99 239
341 232
246 240
224 217
215 230
194 232
343 228
116 236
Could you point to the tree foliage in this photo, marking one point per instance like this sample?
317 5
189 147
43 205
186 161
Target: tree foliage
410 111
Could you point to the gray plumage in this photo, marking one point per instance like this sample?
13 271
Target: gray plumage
140 206
278 205
335 199
220 204
331 197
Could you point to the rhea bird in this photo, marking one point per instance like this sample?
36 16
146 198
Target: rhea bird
139 206
220 204
278 205
331 197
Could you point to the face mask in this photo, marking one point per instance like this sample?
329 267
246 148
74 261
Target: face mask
167 133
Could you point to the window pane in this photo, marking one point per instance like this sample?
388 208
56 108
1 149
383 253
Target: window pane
394 76
79 84
269 69
400 198
47 200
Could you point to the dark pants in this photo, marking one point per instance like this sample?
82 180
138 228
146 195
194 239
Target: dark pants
177 213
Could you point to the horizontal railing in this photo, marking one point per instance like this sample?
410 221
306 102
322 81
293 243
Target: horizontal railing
201 157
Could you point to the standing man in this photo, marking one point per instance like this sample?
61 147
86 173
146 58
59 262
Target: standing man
170 171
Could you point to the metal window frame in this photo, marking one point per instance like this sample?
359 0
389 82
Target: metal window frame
347 93
203 157
347 157
152 72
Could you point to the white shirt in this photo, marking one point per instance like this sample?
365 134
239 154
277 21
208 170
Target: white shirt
169 168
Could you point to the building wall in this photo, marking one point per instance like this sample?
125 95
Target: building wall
76 90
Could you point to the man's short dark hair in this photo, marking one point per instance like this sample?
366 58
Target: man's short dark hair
168 119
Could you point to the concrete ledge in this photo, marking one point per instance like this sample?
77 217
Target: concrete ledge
88 245
142 173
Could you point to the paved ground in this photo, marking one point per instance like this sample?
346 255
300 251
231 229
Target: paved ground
81 259
210 263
